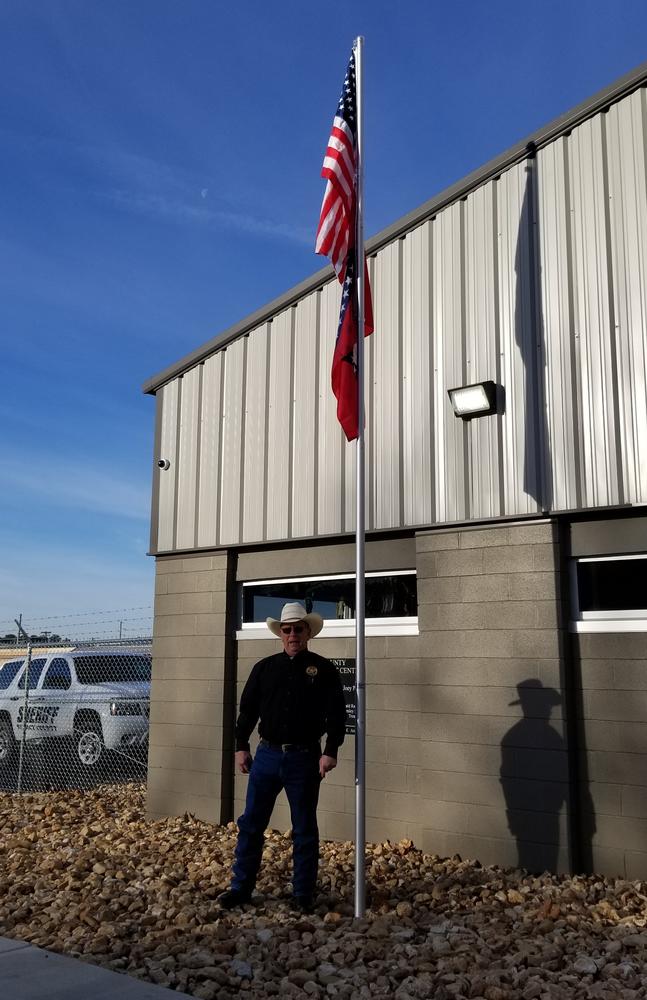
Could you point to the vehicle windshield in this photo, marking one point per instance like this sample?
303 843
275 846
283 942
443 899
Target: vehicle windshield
112 668
8 671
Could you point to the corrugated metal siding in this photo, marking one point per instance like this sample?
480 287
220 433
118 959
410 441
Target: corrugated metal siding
417 381
536 280
593 314
166 479
518 346
447 334
255 434
482 350
187 465
329 486
386 381
628 239
306 378
557 327
209 461
233 418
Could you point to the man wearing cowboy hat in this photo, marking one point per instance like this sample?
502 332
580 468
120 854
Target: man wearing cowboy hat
295 696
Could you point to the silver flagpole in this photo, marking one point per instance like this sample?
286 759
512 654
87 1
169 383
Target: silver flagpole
360 667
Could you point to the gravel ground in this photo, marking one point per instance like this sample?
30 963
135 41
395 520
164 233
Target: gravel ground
82 873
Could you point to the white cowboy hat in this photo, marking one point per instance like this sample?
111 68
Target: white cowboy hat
296 613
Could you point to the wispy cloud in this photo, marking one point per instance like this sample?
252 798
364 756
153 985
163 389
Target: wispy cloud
179 195
63 579
184 212
76 484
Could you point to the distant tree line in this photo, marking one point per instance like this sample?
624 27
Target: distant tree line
11 639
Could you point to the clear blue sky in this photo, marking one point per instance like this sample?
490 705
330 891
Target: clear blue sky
159 180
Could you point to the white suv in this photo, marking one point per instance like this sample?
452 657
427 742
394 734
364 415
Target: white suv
97 699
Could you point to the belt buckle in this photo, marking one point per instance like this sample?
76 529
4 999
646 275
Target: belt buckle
286 746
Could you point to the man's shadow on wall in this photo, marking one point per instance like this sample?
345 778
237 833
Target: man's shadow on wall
534 778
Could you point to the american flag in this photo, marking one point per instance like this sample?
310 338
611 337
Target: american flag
338 207
336 239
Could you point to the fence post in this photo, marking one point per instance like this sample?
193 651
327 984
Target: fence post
23 735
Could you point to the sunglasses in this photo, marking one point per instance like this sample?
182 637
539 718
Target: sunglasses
286 629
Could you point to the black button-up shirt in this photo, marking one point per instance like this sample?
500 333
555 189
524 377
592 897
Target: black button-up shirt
296 699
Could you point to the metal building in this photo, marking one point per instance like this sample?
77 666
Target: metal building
506 651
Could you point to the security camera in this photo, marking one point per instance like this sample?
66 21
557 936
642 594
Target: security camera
163 463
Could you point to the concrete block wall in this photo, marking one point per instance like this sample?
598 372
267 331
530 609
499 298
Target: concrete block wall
612 697
494 779
466 732
189 702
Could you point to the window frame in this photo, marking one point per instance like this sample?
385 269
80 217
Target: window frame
333 628
627 620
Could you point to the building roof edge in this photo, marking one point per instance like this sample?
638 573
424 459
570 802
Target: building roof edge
528 146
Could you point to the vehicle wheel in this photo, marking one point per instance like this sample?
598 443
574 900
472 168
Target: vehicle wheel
8 744
89 749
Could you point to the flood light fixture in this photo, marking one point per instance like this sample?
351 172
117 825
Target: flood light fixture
478 400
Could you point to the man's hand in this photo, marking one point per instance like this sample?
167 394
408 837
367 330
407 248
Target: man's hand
244 761
326 764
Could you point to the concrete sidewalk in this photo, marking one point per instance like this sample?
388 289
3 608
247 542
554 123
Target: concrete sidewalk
29 973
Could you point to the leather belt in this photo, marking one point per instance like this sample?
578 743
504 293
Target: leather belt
290 747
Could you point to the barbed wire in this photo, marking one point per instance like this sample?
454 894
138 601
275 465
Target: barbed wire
87 614
70 625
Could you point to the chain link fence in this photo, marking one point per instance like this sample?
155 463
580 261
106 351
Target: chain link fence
74 716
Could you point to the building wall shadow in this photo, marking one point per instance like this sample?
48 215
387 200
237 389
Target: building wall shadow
529 335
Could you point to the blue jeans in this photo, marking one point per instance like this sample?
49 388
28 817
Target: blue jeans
298 772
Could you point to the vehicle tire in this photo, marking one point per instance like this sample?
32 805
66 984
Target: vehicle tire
8 744
89 748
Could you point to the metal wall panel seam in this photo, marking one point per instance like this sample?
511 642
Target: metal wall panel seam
305 388
591 318
188 420
634 367
232 455
628 210
255 404
243 420
440 465
521 444
526 338
480 348
155 478
167 479
369 401
502 391
176 470
417 450
613 328
280 420
556 318
542 465
266 436
465 424
290 404
328 441
210 417
574 344
318 373
432 384
400 311
198 455
218 459
342 479
391 427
